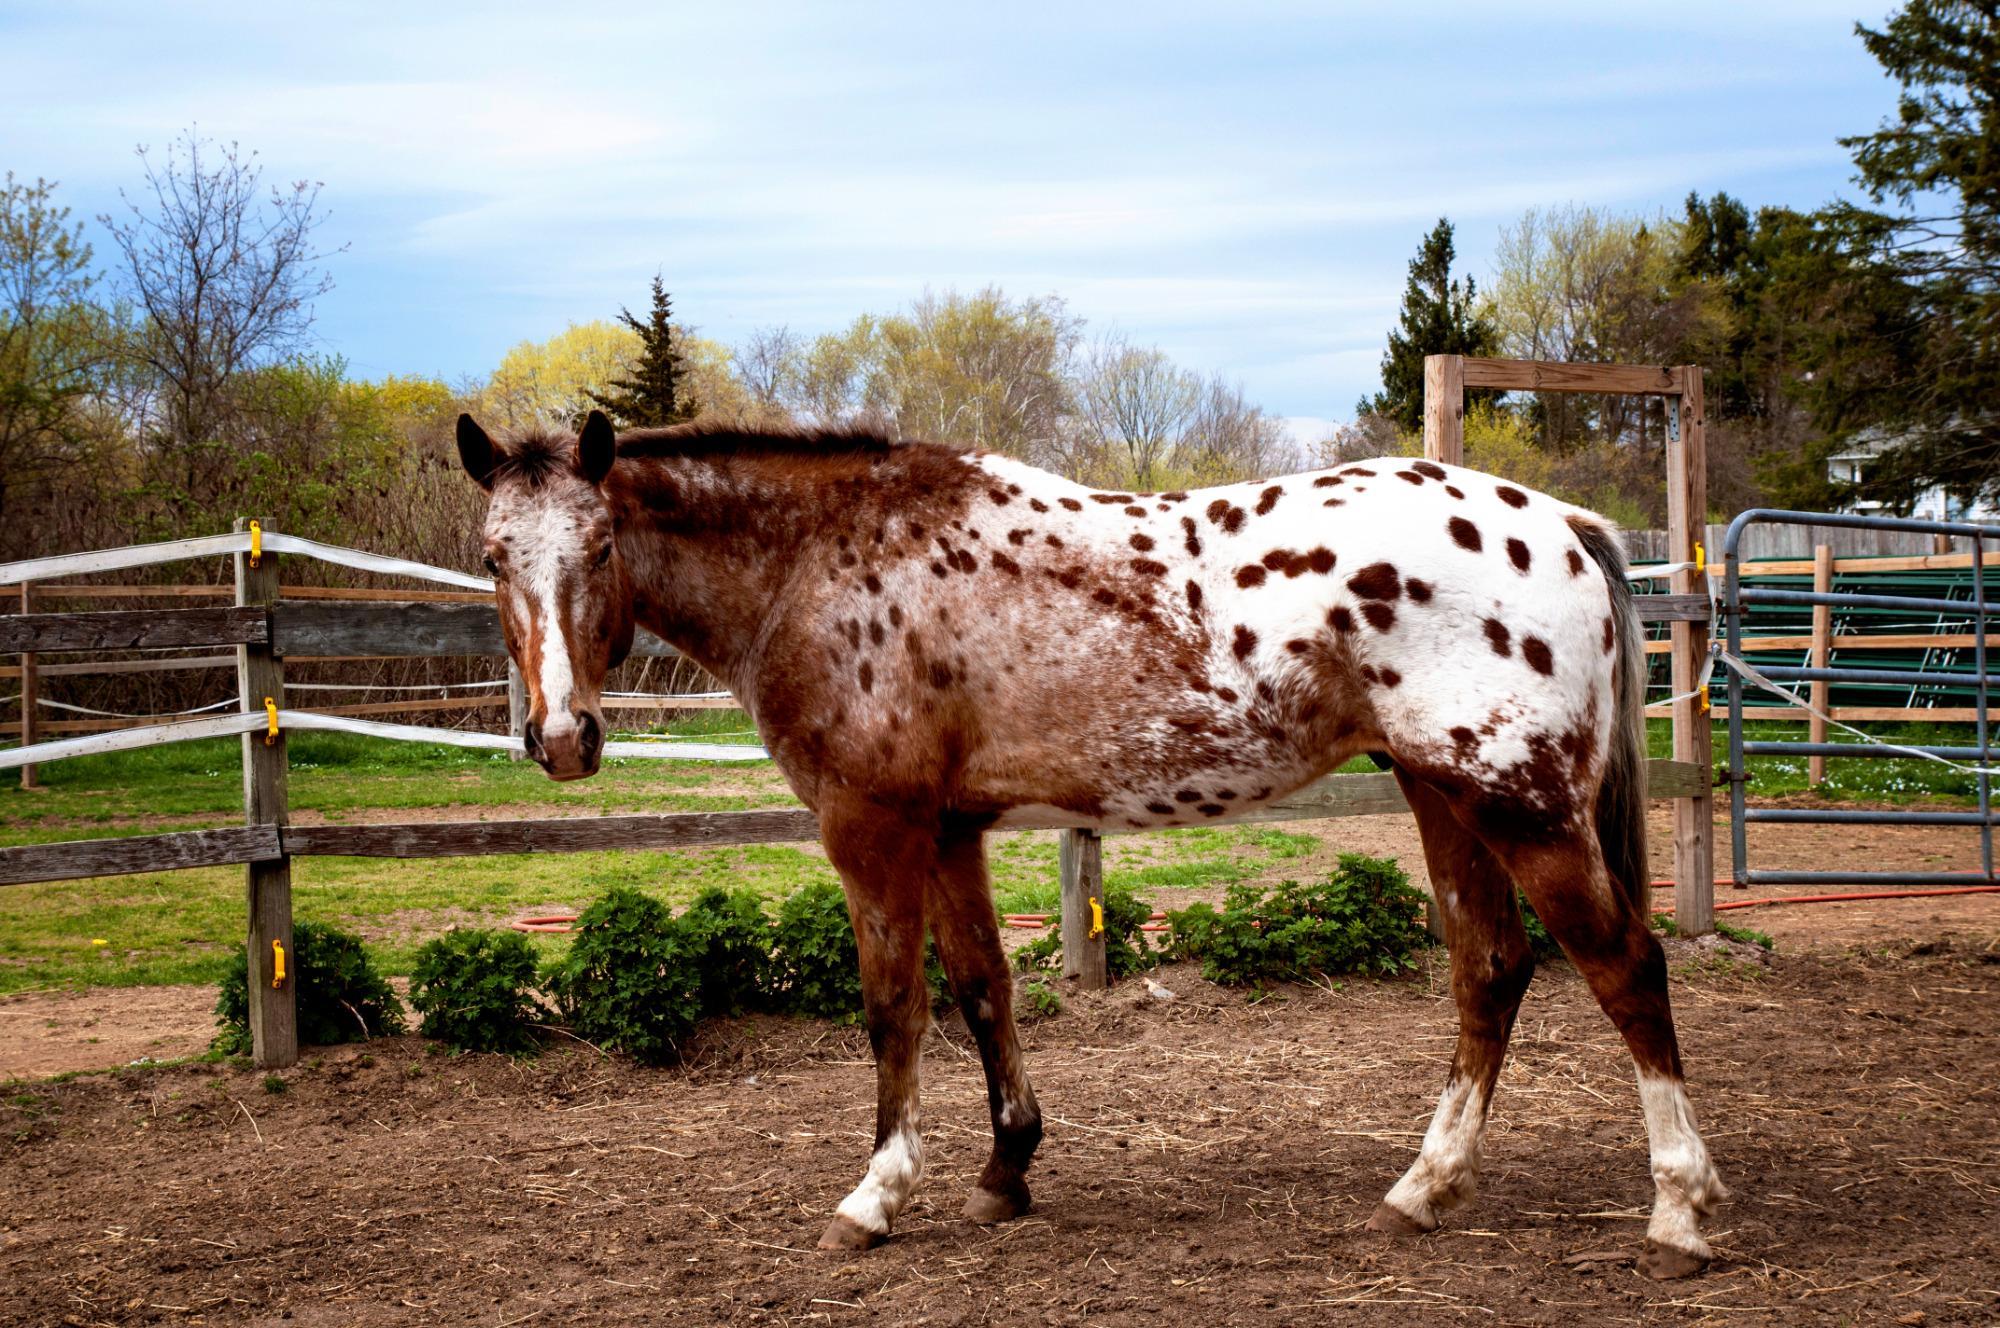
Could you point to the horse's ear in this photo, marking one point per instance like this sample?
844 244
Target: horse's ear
475 451
596 447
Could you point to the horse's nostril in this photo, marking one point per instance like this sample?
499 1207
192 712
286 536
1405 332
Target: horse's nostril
589 737
531 737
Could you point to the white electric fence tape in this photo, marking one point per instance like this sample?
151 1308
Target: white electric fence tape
146 555
209 546
156 735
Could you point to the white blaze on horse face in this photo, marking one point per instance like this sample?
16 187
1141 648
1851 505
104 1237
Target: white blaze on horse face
892 1178
1686 1185
545 540
1446 1172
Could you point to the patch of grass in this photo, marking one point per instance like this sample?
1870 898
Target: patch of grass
1861 779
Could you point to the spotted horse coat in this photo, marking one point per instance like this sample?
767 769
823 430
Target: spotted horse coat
934 643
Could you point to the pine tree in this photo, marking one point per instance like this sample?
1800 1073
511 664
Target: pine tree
654 394
1437 319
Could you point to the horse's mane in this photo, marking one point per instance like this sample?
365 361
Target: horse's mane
540 452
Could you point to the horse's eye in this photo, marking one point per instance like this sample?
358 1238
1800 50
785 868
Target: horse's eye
603 555
492 568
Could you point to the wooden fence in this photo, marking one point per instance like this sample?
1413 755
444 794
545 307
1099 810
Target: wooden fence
267 628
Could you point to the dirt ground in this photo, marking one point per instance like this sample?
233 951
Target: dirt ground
1208 1159
45 1033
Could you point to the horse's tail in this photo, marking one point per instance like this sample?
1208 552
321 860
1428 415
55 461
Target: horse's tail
1621 799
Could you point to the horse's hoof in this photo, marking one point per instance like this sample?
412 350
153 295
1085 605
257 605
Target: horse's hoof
987 1207
1664 1263
1389 1220
844 1233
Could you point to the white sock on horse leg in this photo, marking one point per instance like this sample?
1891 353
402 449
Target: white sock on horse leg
1446 1172
1685 1183
893 1173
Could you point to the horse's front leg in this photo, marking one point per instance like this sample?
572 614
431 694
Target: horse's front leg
885 863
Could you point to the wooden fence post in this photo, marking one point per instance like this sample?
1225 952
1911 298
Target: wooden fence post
517 708
1081 858
1687 518
30 688
1822 650
274 1016
1444 409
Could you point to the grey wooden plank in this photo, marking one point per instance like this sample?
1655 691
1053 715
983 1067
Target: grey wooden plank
1671 608
75 859
320 627
582 834
134 629
1335 795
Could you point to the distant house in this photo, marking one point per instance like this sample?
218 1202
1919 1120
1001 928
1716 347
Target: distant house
1851 463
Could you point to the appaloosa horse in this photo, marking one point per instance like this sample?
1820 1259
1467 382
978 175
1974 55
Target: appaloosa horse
935 643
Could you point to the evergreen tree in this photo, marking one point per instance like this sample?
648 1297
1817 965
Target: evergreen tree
1913 353
1437 319
654 393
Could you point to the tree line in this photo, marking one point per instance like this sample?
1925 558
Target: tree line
175 384
1872 323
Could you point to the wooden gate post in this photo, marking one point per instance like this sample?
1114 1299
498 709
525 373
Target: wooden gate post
273 974
517 708
1081 859
1822 652
1444 409
1687 527
30 688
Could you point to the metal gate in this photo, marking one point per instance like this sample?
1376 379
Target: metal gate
1745 678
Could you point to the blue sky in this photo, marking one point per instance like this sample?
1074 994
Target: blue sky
1241 184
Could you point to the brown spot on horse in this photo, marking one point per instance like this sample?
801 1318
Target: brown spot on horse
1245 642
1499 637
1536 652
1249 575
1376 581
1464 534
1511 496
1517 554
1269 499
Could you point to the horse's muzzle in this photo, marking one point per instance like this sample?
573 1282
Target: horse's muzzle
572 753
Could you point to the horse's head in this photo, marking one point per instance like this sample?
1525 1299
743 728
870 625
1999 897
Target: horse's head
565 601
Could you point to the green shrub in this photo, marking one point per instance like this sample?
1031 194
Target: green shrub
816 970
1038 999
474 989
728 940
1540 943
340 996
1125 948
627 983
1363 918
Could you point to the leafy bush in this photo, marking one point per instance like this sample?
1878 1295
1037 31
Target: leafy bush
1038 999
727 939
1363 918
1125 949
628 983
474 990
340 996
816 971
1541 943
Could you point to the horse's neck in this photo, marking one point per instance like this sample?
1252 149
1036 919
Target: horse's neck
708 560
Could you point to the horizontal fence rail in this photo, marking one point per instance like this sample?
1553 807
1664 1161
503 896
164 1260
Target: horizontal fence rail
1332 796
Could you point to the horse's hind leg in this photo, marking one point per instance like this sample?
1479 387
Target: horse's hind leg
886 864
1490 967
968 941
1607 937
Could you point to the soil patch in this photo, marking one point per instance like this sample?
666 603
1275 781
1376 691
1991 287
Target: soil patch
1208 1160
